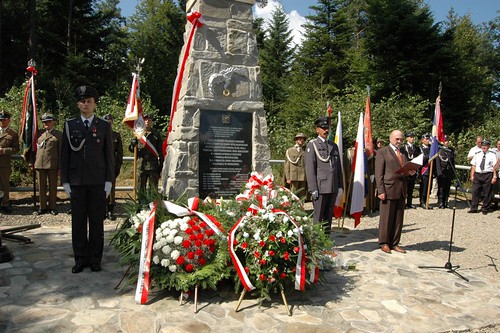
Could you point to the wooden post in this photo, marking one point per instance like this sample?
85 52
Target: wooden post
243 293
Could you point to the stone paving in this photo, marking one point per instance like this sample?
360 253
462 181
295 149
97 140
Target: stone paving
384 293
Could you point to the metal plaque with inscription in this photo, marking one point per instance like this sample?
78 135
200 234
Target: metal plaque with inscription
225 160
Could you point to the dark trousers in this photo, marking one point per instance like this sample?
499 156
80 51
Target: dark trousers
88 207
49 175
153 176
391 221
323 210
444 184
482 184
411 186
424 188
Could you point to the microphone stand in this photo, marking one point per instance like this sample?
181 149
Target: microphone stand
448 265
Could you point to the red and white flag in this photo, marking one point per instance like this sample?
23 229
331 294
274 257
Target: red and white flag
134 118
143 280
358 167
368 130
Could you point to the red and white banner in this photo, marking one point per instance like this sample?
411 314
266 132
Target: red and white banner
368 130
143 280
133 115
338 208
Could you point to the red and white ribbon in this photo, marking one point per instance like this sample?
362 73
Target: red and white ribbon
192 210
245 280
148 228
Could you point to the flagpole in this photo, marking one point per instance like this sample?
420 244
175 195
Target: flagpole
32 69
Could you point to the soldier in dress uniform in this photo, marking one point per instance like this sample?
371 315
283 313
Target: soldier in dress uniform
87 175
9 145
324 173
444 171
150 158
411 151
295 172
118 154
47 164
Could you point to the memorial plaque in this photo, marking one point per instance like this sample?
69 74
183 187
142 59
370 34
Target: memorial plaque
225 160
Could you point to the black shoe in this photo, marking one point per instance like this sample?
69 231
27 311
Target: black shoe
53 212
472 211
410 206
484 212
40 212
441 206
95 267
6 209
78 268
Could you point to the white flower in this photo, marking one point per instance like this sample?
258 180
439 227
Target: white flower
279 234
156 260
172 268
245 234
232 214
170 239
256 236
186 219
183 226
305 218
248 214
175 254
165 262
166 231
164 225
286 219
289 233
177 240
272 217
166 249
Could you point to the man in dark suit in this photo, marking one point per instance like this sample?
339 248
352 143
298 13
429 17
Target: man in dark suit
411 150
9 145
392 190
87 174
324 173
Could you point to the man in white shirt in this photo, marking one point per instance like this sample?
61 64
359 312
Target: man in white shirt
476 149
483 176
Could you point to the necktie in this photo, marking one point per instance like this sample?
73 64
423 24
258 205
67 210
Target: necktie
400 157
483 163
86 124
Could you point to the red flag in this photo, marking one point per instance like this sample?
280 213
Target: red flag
437 128
133 115
368 130
29 119
358 167
338 208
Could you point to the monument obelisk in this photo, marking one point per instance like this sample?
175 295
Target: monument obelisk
218 134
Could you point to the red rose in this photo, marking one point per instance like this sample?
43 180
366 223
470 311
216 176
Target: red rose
198 243
235 242
200 236
139 229
283 240
186 244
196 228
189 268
192 237
207 242
296 249
202 261
192 222
244 245
199 252
262 243
263 261
256 254
262 277
283 275
180 260
211 248
203 225
272 238
211 242
209 232
190 255
247 270
189 231
286 256
271 253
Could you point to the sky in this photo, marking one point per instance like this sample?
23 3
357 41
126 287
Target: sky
480 10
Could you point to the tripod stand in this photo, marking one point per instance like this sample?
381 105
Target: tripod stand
448 266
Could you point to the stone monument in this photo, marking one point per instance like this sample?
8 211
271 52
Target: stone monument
219 132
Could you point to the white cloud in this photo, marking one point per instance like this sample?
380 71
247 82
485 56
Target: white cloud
295 20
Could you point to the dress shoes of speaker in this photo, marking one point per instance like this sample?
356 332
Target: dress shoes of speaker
385 248
399 249
78 268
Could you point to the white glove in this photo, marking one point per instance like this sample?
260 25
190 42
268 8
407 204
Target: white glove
107 188
315 195
67 189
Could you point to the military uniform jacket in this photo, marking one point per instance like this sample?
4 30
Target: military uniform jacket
393 184
445 161
295 164
426 151
9 141
148 161
87 155
48 150
411 151
117 152
323 169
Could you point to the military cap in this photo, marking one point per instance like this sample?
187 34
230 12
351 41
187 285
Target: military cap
410 135
486 142
426 136
323 122
47 117
83 92
4 115
108 117
300 135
